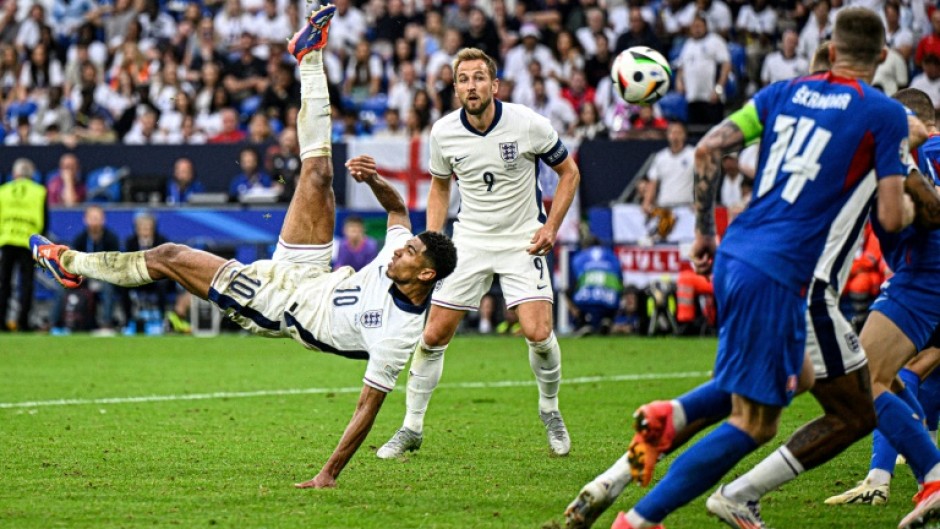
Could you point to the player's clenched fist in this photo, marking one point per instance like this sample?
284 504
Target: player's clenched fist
361 167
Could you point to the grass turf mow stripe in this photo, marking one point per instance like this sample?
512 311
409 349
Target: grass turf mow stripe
313 391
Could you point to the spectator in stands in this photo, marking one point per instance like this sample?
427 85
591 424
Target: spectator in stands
817 29
41 71
31 29
283 91
211 77
730 187
201 51
356 249
568 54
897 37
892 73
717 16
597 66
757 25
595 287
481 33
444 98
183 183
445 55
530 50
152 295
647 124
230 25
393 125
189 134
22 211
157 28
259 130
670 173
97 131
9 25
703 67
929 80
347 28
252 181
784 63
929 44
676 16
272 26
65 187
363 74
402 92
117 23
144 131
638 34
627 320
578 91
229 133
558 111
390 26
9 70
23 134
282 161
596 23
120 95
53 112
423 106
589 126
96 237
245 76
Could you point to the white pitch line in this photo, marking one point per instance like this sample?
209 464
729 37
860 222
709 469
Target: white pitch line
314 391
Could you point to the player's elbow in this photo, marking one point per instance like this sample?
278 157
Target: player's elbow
704 153
894 218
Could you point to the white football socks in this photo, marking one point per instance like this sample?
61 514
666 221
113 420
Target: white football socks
427 365
545 360
879 476
314 126
617 475
678 415
638 522
117 268
776 469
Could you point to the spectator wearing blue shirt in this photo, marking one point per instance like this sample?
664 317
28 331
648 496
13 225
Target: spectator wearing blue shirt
252 183
183 184
595 287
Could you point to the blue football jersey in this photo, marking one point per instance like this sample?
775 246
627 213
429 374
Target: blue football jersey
914 248
821 135
597 278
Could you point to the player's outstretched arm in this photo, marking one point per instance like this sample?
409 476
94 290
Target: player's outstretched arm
725 137
438 203
363 169
926 200
568 179
370 401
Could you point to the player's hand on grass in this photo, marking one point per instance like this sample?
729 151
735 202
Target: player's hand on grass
703 253
322 481
362 168
542 241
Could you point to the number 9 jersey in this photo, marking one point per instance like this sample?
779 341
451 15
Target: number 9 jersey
820 136
496 171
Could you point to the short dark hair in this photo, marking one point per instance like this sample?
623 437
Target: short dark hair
919 103
859 35
820 62
354 219
440 251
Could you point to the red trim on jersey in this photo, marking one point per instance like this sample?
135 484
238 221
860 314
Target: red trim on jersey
861 161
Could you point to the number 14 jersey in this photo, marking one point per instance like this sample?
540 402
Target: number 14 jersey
820 136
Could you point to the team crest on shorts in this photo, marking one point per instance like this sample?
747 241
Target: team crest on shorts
371 319
851 339
509 151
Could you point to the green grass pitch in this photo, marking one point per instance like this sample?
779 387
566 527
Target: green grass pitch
230 459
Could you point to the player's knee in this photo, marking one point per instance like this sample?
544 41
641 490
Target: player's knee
166 253
539 333
435 336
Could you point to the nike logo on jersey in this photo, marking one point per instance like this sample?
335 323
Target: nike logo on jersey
462 158
540 287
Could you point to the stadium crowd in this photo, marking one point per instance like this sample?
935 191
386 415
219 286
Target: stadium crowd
143 72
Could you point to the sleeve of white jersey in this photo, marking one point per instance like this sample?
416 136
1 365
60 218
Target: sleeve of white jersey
438 166
545 142
387 359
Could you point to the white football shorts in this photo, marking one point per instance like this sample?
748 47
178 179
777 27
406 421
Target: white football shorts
522 277
831 341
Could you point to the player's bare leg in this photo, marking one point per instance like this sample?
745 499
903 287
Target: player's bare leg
427 366
535 317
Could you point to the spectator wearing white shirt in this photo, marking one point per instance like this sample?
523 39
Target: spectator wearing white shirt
156 27
520 55
230 24
897 37
596 23
402 92
556 109
28 35
676 17
670 174
785 63
363 73
272 25
758 23
347 28
730 193
703 67
144 131
717 16
891 74
451 44
929 80
817 29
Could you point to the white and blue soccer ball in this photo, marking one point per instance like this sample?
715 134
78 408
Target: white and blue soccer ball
640 75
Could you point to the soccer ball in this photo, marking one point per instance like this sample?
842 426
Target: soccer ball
640 75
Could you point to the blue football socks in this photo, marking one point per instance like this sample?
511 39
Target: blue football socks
705 401
898 423
707 460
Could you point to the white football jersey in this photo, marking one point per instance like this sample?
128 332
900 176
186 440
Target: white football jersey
496 170
370 318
